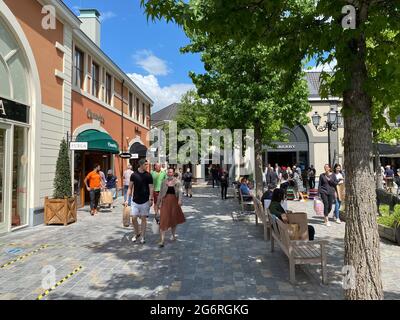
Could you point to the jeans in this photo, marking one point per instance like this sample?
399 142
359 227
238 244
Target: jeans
312 183
327 199
126 195
337 208
114 192
224 190
94 198
215 182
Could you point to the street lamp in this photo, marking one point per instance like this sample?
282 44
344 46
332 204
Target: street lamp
334 121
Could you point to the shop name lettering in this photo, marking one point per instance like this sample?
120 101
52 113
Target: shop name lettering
93 116
112 145
2 109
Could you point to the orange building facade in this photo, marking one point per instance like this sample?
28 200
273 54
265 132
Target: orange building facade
55 83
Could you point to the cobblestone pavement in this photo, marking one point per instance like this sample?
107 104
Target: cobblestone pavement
214 258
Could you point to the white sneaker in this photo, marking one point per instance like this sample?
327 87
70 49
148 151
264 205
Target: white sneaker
338 221
142 241
328 224
135 238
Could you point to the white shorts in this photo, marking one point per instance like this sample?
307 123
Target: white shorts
140 210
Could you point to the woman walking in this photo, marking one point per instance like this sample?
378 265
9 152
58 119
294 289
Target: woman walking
337 169
327 189
169 204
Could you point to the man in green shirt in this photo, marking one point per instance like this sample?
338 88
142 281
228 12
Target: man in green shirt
158 177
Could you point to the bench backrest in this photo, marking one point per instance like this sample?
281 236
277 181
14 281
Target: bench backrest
280 231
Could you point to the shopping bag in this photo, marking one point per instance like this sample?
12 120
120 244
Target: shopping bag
341 192
155 227
318 206
106 197
294 231
300 219
126 217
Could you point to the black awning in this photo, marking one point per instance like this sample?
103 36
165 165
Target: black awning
388 150
138 148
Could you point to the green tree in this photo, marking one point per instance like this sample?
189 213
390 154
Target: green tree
247 93
367 70
62 180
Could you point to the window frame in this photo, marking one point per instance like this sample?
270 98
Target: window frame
108 88
79 70
95 81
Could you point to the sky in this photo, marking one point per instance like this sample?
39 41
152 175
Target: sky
148 52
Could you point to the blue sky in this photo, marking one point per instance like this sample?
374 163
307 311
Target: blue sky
147 51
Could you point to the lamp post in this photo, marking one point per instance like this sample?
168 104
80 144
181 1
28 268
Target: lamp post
333 122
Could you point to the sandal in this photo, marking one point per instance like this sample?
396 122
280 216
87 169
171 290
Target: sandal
161 244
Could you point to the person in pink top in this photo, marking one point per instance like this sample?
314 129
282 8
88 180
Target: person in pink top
127 178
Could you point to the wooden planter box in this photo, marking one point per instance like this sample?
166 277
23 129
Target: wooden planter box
60 211
389 233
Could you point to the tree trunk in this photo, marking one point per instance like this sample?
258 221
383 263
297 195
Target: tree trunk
362 242
258 168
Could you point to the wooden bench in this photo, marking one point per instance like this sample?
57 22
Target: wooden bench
244 201
262 215
298 252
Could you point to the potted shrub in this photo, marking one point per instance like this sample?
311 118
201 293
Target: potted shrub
389 223
62 208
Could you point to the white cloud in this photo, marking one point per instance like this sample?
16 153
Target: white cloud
150 63
162 96
107 15
324 67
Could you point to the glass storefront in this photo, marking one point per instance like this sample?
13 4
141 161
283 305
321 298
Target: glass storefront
2 172
20 173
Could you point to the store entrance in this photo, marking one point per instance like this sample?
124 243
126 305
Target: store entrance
84 164
284 159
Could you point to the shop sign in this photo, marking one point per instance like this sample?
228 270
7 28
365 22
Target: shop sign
13 111
94 116
135 156
125 155
112 145
78 146
286 147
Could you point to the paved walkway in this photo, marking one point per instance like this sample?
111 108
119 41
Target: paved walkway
214 258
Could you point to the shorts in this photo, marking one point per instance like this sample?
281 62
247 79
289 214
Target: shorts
140 210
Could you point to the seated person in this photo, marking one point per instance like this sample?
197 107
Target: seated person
267 196
245 190
276 209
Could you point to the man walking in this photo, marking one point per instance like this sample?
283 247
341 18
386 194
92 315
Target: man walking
141 188
127 179
187 181
224 178
158 177
94 187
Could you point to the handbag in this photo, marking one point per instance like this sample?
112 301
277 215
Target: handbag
318 206
126 217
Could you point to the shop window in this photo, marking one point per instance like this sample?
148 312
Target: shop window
130 104
108 89
78 68
20 173
13 82
95 80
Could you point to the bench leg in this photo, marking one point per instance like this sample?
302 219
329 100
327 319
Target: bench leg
292 270
323 269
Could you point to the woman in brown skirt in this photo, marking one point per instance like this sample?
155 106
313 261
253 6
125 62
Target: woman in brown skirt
169 203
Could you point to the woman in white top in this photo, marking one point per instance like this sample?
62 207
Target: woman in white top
337 169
